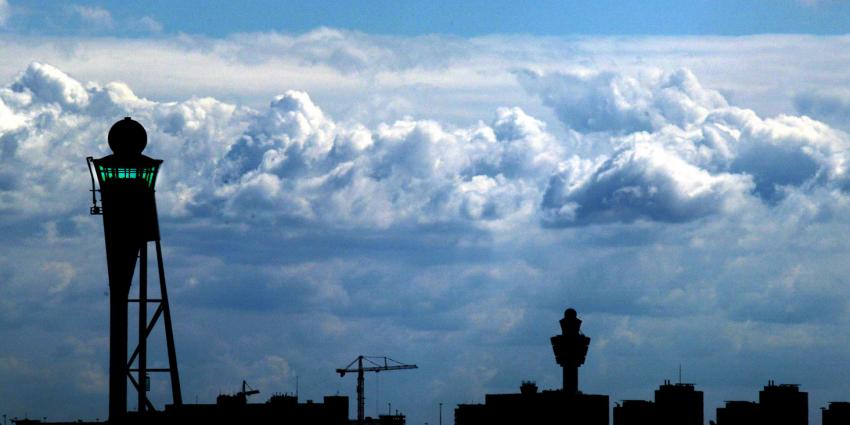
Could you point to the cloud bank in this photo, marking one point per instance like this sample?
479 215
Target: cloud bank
656 147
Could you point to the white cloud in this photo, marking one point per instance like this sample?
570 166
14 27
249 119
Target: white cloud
375 79
676 151
610 101
669 151
644 181
297 162
149 24
50 85
93 15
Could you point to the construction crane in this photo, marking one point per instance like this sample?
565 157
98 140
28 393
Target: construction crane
246 390
238 399
374 364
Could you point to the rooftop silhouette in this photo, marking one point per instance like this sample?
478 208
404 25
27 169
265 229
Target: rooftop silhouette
782 404
675 404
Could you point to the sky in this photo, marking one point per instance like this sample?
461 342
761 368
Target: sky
219 18
436 183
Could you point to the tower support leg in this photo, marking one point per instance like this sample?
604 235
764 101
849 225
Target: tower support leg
143 324
138 360
117 355
177 397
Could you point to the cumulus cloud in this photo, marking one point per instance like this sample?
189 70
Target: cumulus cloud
666 149
676 151
296 161
50 85
289 161
641 182
610 101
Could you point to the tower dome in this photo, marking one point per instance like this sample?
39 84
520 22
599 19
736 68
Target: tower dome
127 137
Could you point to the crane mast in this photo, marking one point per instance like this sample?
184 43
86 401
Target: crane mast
374 364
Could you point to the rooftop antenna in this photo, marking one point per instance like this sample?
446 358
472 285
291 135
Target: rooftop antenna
680 373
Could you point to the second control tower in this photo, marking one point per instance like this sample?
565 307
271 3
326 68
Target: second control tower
570 349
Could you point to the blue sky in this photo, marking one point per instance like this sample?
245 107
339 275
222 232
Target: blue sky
471 18
436 185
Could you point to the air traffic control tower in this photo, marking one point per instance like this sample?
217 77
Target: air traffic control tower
570 349
125 181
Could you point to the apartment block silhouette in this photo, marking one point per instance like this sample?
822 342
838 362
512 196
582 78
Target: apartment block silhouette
782 404
675 404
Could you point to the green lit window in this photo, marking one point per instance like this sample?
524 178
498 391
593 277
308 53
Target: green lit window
113 173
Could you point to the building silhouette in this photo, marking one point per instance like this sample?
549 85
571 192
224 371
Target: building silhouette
679 404
396 419
782 404
837 413
635 412
531 406
279 409
566 406
675 404
738 413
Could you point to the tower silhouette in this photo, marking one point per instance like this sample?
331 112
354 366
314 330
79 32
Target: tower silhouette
570 349
126 181
530 406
